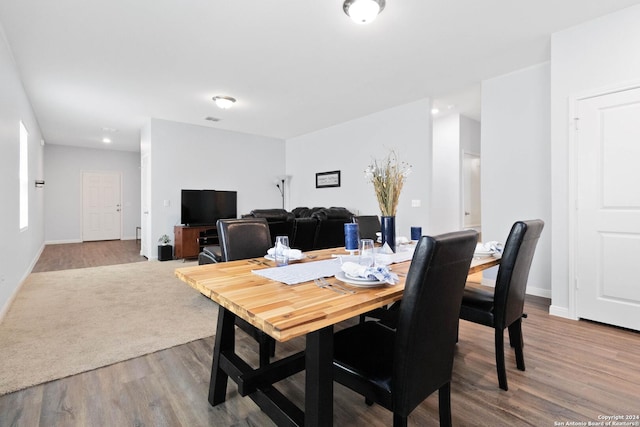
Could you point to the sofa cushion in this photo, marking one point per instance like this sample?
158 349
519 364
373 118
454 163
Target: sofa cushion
271 214
305 212
333 213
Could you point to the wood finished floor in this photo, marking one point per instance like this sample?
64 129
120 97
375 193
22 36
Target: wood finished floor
88 254
576 371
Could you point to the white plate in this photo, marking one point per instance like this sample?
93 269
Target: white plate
360 282
271 258
358 278
483 253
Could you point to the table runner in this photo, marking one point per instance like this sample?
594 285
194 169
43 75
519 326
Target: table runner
303 272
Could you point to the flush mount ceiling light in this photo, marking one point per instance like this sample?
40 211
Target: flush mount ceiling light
363 11
224 102
106 131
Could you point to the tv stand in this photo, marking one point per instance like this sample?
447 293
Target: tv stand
190 239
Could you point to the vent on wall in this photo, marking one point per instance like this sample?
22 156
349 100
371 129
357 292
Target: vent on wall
212 119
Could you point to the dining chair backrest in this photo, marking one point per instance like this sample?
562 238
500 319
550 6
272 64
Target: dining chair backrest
428 317
368 226
511 283
243 238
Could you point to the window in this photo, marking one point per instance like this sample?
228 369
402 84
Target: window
24 177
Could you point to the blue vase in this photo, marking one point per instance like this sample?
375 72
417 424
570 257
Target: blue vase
388 231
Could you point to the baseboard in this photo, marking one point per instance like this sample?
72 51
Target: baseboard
558 311
62 242
539 292
531 290
488 282
14 294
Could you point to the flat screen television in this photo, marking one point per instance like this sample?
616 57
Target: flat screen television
206 207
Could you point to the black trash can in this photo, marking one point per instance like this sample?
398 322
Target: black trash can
165 252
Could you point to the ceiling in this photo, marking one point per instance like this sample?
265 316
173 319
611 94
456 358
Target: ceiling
102 68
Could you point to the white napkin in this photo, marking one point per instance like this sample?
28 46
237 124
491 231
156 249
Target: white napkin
402 240
292 253
380 273
385 249
492 248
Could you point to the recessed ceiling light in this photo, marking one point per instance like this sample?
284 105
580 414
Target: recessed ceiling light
224 102
435 111
106 140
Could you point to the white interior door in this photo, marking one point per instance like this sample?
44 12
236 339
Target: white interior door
101 206
471 191
608 209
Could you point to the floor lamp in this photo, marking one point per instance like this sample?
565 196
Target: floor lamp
280 183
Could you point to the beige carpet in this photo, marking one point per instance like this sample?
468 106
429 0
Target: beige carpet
66 322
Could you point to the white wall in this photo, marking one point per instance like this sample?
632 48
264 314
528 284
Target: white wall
445 201
598 55
515 162
470 135
63 198
350 147
20 249
186 156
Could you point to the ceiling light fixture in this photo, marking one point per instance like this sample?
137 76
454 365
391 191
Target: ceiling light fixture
106 140
224 102
435 111
363 11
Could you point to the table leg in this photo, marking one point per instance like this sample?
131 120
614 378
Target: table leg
319 378
225 342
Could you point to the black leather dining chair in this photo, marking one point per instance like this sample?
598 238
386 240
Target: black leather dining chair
242 239
368 226
504 306
400 368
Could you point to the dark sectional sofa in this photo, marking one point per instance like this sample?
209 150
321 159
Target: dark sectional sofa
307 228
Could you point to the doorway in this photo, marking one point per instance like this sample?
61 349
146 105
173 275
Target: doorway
101 206
471 217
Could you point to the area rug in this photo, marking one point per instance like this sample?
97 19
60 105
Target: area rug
66 322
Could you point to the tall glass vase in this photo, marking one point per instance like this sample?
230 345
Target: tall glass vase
388 231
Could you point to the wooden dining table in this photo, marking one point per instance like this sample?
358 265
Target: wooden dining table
285 312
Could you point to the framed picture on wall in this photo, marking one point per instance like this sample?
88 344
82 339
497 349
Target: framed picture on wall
328 179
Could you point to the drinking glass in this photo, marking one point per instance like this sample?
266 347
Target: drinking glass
282 250
367 256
